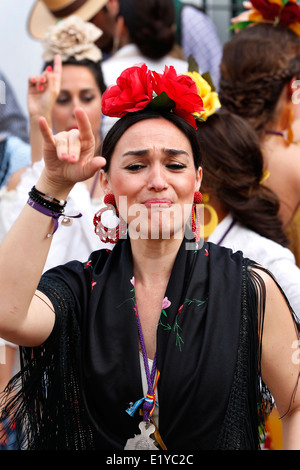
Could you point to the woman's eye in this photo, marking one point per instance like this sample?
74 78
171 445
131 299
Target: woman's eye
135 167
176 166
62 99
87 98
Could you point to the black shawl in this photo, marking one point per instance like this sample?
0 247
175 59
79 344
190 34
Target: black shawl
74 390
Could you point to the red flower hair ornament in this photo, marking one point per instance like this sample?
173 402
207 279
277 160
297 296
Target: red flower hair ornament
283 12
138 88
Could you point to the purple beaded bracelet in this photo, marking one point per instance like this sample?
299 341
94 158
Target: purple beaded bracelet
55 215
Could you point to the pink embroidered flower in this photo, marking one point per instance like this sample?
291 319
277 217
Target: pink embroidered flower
93 284
132 280
165 303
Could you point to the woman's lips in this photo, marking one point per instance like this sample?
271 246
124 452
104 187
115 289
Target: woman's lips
158 203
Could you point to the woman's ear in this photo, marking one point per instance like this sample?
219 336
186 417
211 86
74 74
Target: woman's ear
198 178
105 182
293 88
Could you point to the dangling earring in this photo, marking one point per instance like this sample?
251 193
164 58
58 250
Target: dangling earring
196 217
107 234
290 133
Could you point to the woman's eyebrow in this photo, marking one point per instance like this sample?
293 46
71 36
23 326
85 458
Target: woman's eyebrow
175 151
168 151
137 153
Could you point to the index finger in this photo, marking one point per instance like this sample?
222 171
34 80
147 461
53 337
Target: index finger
84 125
46 131
57 65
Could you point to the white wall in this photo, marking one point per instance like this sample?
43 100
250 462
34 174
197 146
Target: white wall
20 55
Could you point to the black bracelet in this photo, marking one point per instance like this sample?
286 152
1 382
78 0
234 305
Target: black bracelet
47 201
48 197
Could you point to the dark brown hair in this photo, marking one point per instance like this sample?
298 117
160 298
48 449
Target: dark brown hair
256 64
94 68
151 25
232 171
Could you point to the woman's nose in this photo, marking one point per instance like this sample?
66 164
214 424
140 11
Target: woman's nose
157 178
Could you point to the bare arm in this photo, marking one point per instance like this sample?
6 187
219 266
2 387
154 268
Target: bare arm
281 362
25 319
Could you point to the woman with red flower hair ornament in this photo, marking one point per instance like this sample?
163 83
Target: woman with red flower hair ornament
260 70
159 343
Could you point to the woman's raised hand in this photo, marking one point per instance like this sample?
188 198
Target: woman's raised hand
244 15
43 90
69 156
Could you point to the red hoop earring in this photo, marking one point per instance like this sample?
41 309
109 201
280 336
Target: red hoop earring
107 234
196 217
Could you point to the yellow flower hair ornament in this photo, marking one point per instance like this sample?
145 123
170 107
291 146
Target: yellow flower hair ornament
206 91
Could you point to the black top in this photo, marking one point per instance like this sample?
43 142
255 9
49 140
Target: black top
78 385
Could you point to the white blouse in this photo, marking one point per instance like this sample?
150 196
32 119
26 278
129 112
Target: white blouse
269 254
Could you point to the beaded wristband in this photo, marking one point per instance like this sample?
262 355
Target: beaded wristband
48 197
54 214
47 201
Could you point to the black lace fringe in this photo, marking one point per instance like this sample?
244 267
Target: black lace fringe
44 397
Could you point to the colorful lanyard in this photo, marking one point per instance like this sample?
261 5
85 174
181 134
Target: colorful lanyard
149 400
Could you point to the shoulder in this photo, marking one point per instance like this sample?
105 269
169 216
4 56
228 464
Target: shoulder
219 251
14 142
191 11
223 261
75 275
257 247
194 14
19 152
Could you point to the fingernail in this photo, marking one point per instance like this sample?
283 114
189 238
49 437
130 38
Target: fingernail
49 68
40 87
33 80
42 80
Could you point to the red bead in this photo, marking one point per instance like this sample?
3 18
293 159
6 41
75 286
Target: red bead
197 197
109 199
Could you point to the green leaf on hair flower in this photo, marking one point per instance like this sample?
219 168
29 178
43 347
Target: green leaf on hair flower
193 64
285 2
240 25
208 78
161 101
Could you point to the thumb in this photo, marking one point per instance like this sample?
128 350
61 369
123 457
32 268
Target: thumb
94 165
